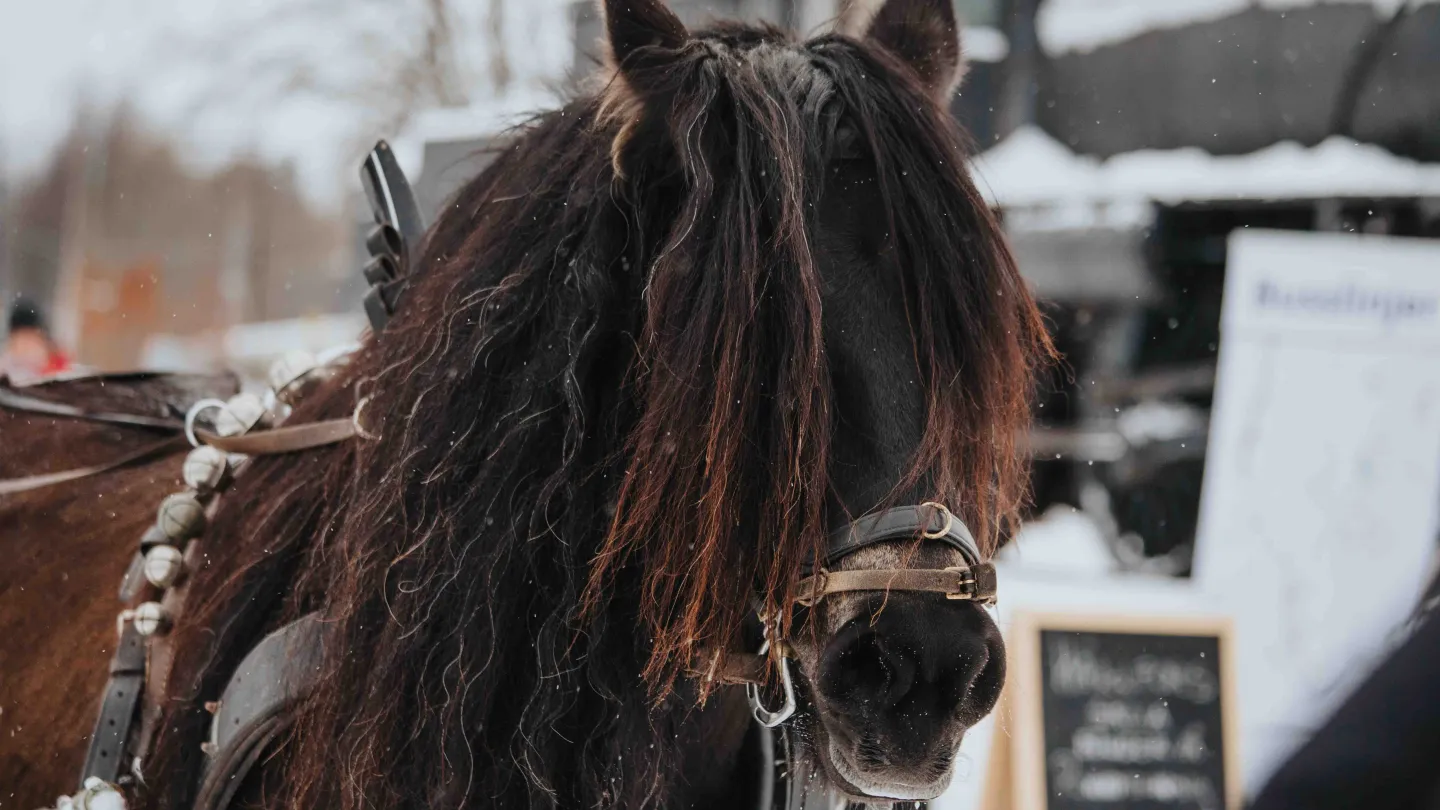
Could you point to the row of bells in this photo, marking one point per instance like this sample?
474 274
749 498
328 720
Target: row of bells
181 518
206 472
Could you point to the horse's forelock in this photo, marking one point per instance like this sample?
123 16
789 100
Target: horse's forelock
726 473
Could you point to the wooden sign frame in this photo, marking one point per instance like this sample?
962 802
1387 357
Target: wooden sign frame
1020 748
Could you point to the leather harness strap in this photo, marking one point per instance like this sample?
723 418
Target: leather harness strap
11 399
288 439
107 757
15 486
254 709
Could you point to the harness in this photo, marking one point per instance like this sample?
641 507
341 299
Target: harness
255 708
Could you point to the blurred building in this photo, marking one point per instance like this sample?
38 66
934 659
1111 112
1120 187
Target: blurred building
122 242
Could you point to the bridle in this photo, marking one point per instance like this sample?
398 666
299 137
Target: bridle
256 705
974 580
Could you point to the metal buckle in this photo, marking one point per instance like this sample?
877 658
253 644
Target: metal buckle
762 715
930 534
965 586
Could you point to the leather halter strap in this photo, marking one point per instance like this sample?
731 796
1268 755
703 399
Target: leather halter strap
973 581
932 521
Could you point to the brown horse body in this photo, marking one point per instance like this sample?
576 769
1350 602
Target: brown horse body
675 334
66 549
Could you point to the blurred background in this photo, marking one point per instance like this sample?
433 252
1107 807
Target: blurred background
178 189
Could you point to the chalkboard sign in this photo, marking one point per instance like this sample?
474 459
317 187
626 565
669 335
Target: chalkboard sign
1122 713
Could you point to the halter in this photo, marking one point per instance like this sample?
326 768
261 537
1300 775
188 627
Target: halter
930 521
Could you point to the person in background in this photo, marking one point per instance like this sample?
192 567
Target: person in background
29 353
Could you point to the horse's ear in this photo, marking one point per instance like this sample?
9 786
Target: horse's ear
633 25
924 34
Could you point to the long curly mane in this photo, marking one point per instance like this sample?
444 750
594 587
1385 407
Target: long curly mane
604 417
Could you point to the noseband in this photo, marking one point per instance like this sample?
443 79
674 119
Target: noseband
973 581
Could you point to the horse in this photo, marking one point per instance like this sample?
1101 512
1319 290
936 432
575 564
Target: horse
740 294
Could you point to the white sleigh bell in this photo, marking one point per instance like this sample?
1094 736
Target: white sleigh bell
163 566
181 517
96 795
205 469
241 413
150 619
294 374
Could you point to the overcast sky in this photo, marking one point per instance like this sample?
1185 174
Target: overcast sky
194 70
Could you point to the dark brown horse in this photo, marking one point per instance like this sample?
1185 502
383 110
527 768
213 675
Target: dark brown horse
677 331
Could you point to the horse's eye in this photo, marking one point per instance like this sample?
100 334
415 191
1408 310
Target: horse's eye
846 142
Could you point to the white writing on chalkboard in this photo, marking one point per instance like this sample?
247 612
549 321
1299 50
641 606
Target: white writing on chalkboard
1116 786
1131 720
1076 668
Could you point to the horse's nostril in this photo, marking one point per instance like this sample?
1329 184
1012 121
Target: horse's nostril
914 660
863 669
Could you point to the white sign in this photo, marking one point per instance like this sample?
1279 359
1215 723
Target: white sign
1322 480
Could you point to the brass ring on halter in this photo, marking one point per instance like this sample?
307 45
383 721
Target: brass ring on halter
930 534
355 418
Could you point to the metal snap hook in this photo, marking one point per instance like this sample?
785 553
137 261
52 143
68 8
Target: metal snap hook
762 715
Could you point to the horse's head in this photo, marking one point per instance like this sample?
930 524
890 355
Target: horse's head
833 325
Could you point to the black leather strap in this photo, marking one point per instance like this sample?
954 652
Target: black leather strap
14 400
254 709
394 243
109 744
230 768
903 523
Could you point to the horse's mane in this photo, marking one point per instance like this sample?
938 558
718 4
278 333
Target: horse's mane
604 415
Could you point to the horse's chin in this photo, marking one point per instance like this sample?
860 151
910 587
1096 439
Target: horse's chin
860 786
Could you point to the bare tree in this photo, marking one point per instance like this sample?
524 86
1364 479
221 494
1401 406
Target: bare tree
385 59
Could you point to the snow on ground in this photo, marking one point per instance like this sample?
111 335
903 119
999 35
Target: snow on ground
1064 541
1031 170
1084 25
